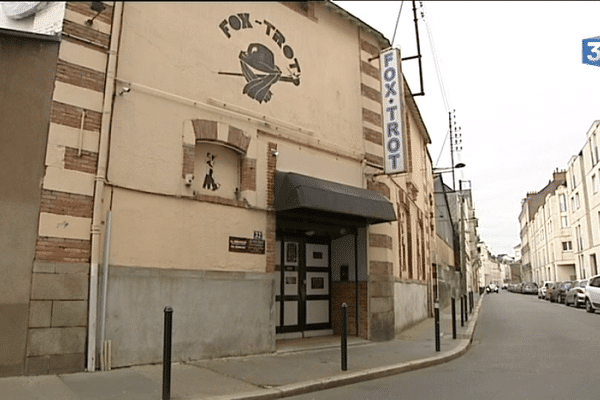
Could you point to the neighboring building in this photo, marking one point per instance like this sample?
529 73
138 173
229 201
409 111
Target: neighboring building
491 270
545 224
583 176
461 204
233 155
446 255
517 249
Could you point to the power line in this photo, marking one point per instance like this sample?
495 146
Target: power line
436 60
397 21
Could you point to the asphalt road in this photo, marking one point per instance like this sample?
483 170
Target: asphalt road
523 348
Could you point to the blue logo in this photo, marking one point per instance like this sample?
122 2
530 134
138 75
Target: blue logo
591 51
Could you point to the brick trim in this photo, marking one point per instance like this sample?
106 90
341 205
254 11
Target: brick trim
304 8
68 115
248 175
87 162
271 167
82 32
61 203
370 93
271 236
189 155
84 8
238 139
370 70
63 250
371 135
80 76
371 117
205 129
369 48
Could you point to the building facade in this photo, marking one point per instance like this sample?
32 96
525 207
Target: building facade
224 159
545 223
583 200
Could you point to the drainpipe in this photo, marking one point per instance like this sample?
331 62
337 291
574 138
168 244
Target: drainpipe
100 178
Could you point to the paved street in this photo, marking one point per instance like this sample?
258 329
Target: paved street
523 348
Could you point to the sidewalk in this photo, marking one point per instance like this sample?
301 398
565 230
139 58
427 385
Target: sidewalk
297 367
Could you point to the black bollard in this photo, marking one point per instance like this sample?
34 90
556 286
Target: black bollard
167 354
453 318
344 337
462 311
466 308
472 300
437 326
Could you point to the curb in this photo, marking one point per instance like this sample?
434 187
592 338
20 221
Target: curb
295 389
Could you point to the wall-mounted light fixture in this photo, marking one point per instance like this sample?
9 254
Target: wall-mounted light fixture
97 6
124 89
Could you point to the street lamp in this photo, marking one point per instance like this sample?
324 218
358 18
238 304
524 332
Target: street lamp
450 169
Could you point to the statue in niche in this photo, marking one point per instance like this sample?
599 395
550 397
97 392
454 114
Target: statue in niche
209 180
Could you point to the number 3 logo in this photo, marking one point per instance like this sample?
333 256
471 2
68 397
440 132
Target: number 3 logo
595 48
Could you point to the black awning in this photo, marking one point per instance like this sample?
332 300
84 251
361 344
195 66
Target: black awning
295 192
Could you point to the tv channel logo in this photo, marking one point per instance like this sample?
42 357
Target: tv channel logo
591 51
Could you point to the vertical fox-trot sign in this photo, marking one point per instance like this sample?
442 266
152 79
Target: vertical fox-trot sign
394 143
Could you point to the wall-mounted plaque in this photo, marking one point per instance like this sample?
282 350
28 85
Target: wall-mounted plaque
244 245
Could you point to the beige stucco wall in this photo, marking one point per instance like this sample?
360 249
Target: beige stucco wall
188 49
166 232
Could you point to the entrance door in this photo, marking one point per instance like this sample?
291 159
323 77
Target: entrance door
303 296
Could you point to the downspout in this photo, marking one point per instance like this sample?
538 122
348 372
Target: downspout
100 178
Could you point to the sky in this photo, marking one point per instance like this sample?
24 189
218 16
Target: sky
513 77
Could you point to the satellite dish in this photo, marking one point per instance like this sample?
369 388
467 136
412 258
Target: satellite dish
22 9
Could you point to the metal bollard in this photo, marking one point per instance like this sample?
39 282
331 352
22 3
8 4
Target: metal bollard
166 394
437 326
344 337
453 318
462 311
472 300
466 309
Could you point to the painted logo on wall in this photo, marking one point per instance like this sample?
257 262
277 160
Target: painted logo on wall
258 64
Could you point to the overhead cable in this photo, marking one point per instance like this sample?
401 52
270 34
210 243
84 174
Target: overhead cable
397 21
436 61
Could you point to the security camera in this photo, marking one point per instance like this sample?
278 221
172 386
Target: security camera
124 90
189 178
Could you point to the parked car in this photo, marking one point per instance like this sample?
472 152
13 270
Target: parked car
543 288
519 288
561 292
530 288
491 288
592 294
576 294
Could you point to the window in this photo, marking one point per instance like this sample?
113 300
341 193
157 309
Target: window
549 227
564 221
567 246
573 181
579 238
595 183
577 205
563 203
